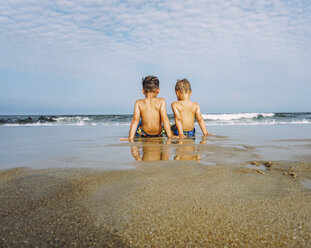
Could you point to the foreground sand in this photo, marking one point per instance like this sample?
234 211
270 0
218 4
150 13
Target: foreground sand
158 204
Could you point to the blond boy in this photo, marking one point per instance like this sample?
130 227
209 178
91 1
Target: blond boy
185 111
152 111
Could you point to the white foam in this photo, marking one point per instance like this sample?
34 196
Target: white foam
237 116
116 124
254 123
27 125
72 119
214 123
80 123
236 119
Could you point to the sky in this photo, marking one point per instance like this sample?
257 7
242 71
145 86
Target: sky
89 56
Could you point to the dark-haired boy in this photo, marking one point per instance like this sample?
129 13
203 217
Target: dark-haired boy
185 111
152 111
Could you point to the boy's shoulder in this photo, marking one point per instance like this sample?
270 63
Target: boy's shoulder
195 104
175 103
158 99
161 99
140 100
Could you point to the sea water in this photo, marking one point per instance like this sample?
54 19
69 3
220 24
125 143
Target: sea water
125 120
93 141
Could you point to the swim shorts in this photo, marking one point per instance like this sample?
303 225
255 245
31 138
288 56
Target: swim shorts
141 133
186 133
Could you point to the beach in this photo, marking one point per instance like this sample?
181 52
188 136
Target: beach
79 186
90 91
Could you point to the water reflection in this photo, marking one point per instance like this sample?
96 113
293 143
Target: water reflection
150 149
155 149
186 150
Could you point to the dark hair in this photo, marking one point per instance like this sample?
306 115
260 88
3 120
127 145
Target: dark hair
150 83
183 86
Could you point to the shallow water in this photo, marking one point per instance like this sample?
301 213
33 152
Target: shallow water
99 146
259 167
61 146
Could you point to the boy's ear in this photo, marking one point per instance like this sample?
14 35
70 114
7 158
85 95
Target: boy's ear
158 90
143 91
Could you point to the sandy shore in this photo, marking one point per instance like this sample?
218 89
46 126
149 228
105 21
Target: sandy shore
158 204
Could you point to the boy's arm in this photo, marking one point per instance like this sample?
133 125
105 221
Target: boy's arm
135 121
165 120
200 120
178 121
135 153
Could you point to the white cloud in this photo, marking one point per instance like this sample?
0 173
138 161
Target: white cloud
101 37
165 26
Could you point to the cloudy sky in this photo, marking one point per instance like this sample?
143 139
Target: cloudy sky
88 56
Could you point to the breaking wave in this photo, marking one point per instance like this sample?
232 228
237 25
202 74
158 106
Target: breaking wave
236 116
125 120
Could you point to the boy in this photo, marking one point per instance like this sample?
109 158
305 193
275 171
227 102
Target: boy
185 111
152 111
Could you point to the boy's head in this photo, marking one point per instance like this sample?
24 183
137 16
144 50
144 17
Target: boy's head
183 86
150 84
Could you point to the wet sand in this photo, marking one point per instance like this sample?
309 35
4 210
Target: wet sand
171 203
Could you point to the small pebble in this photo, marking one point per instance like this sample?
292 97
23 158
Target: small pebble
254 163
260 172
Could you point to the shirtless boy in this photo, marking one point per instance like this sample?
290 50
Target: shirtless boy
185 111
152 111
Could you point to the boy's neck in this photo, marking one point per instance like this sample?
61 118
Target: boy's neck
184 97
149 95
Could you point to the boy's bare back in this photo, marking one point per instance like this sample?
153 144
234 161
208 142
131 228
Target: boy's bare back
150 110
186 112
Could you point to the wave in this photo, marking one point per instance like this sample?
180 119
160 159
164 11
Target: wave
254 123
125 120
81 123
236 116
229 123
72 119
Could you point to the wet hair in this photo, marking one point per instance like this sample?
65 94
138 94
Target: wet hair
183 86
150 83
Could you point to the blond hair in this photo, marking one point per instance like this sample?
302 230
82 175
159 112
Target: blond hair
183 86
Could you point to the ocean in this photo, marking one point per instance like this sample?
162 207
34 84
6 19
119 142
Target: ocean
93 141
293 118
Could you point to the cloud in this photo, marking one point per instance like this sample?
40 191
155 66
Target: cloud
111 39
106 32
